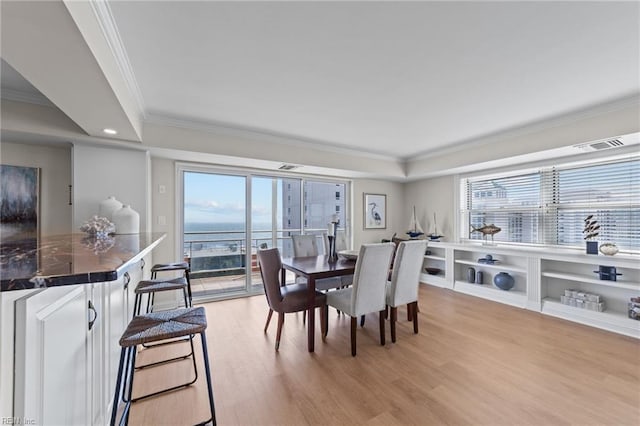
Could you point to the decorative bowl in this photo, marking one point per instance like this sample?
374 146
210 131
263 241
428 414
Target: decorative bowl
433 271
608 249
349 254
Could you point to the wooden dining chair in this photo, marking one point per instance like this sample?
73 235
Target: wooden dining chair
367 294
288 298
405 279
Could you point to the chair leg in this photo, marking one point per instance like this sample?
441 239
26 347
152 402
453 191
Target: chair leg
207 369
386 312
268 319
382 337
323 322
409 313
280 322
361 320
354 325
414 311
325 309
116 397
394 318
304 317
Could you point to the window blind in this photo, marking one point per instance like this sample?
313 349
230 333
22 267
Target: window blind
608 191
548 206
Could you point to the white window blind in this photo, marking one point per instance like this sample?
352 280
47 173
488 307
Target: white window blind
513 203
548 206
610 192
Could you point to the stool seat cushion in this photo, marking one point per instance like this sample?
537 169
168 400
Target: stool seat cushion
164 325
150 286
176 266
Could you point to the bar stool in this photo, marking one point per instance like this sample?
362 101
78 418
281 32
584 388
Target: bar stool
176 266
156 326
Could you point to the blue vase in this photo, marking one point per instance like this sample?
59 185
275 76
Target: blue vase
503 281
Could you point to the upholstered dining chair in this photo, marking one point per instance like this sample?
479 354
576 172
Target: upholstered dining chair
405 279
307 245
367 294
341 244
285 299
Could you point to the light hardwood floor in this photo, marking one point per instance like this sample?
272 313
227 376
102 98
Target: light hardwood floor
473 362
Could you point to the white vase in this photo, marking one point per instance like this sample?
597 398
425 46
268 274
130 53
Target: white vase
127 221
109 206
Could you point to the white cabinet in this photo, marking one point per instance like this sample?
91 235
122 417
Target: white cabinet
560 276
53 357
514 265
437 266
67 350
541 277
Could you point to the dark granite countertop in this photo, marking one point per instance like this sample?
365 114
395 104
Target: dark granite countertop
70 259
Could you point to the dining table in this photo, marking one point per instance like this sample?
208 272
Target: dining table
314 268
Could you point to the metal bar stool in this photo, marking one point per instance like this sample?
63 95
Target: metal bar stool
150 287
156 326
176 266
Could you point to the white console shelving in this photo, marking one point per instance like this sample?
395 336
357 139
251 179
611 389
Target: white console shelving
541 276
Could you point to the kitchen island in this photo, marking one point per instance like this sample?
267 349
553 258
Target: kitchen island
64 302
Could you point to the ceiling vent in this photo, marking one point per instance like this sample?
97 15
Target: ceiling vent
288 167
600 145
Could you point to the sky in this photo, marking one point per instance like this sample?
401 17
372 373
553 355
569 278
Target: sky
221 198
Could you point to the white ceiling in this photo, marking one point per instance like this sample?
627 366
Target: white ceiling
392 78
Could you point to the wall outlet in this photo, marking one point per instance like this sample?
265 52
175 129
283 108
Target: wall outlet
162 220
162 189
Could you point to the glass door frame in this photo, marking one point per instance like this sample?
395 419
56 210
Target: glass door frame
249 174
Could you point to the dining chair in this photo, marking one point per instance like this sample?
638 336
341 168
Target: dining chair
405 279
341 244
367 294
288 298
307 245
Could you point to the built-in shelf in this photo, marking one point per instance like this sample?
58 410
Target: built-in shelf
608 320
432 257
436 280
488 291
628 285
497 266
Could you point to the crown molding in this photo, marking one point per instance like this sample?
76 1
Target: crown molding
26 97
532 127
262 135
104 16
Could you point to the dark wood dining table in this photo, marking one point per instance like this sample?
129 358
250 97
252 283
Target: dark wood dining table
314 268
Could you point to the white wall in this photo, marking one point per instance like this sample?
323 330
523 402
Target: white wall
55 177
437 195
99 172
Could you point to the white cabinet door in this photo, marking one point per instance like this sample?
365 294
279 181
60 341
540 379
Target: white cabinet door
53 357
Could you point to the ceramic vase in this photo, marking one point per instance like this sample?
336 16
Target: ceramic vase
471 275
608 249
108 207
479 277
504 281
127 221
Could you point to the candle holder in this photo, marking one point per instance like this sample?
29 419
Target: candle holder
331 236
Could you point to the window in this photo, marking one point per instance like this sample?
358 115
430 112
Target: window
337 195
548 206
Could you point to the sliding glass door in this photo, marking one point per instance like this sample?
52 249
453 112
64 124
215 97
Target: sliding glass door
227 217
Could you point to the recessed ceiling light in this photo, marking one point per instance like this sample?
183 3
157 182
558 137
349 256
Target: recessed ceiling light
110 131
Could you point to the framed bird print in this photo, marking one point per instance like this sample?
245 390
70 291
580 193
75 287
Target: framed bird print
375 211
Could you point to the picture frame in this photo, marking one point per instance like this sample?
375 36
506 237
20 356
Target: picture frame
375 211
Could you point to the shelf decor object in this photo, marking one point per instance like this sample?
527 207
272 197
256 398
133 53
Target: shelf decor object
487 230
608 249
503 281
331 236
108 207
98 227
127 221
415 230
607 273
471 275
590 231
479 277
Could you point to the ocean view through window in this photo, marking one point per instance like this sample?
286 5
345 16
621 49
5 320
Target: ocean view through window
227 218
